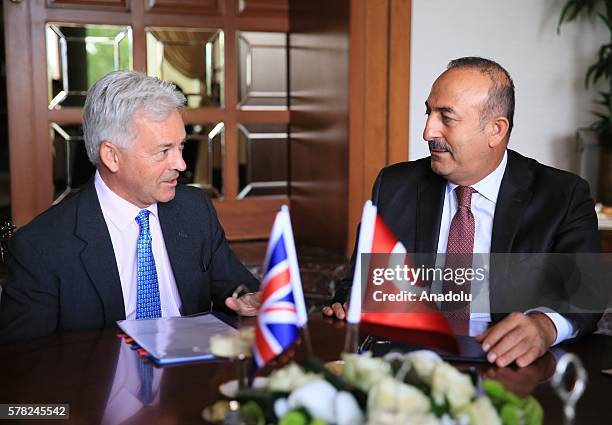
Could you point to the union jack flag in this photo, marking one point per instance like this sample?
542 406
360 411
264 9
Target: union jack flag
282 311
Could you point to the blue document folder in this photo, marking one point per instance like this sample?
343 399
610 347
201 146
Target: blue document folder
172 340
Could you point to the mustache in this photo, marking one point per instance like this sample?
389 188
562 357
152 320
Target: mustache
437 145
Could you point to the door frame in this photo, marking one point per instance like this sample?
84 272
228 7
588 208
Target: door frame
379 95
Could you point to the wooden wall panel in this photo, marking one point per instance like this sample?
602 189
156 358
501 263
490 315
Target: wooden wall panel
29 118
204 7
318 62
358 190
20 109
97 4
90 16
336 149
273 8
379 96
399 79
606 240
376 69
249 219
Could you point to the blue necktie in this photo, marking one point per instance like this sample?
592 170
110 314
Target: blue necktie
148 304
145 392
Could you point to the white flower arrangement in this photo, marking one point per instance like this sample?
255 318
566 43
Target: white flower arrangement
448 384
364 371
289 378
415 388
389 394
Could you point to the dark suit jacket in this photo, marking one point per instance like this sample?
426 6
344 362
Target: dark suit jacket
63 274
539 209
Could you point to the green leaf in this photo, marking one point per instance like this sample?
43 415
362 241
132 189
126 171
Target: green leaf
606 21
263 398
568 13
602 126
295 417
573 8
601 67
600 115
511 414
533 412
493 389
589 74
600 71
604 98
499 394
253 413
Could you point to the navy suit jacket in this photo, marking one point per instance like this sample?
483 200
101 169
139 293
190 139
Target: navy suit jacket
63 275
539 209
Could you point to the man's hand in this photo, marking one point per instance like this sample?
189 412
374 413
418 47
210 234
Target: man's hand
336 309
245 305
519 337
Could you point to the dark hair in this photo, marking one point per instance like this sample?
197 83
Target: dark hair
501 92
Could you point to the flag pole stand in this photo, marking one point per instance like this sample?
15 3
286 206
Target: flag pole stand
307 341
351 338
243 374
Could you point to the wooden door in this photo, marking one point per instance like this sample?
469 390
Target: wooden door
349 78
228 57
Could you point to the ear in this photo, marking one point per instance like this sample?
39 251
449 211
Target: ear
109 156
497 130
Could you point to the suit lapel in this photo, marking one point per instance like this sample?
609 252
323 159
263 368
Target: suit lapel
430 200
514 196
180 247
98 256
512 201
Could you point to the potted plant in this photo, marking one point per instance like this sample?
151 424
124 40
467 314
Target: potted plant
600 69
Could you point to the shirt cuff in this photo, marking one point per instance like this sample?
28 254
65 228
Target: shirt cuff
565 328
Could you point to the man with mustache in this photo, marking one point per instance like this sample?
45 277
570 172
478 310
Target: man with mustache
132 243
474 192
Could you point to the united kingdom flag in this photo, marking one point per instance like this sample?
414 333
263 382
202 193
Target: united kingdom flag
282 311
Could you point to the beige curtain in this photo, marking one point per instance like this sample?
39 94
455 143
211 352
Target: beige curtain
185 50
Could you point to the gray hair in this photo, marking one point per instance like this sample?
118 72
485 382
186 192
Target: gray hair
114 99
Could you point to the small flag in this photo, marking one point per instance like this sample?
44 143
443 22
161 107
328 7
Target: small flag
283 310
376 238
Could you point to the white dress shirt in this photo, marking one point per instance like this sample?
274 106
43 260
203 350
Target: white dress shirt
483 209
120 216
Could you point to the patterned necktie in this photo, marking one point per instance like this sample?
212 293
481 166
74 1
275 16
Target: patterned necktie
145 372
459 253
148 304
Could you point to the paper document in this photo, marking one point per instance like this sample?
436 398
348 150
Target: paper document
176 339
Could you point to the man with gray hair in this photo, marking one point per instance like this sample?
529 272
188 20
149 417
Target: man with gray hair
132 243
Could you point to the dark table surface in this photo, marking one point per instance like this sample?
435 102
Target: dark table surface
88 369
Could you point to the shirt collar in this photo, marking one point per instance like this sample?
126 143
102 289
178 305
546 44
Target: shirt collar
119 211
489 186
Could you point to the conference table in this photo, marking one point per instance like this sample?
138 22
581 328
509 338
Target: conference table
85 370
